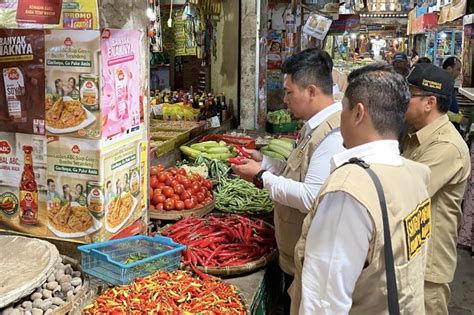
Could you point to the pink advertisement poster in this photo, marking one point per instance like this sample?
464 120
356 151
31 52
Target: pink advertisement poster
120 101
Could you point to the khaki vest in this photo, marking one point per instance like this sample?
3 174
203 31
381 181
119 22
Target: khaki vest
408 204
288 221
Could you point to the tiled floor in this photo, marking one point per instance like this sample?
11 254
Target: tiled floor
462 288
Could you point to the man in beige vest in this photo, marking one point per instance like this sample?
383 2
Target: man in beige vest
435 142
339 258
294 185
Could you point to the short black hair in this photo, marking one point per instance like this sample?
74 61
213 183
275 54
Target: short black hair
49 181
311 66
385 94
450 62
424 60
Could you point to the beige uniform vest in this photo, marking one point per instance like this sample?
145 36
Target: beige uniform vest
288 221
409 209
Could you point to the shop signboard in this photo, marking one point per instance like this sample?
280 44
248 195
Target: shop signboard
22 81
50 14
424 23
345 23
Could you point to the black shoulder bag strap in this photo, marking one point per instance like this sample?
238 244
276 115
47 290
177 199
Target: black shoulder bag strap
392 292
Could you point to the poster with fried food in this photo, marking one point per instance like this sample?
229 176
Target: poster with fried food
22 81
72 84
92 194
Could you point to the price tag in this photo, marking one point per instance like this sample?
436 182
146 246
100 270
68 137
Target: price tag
215 123
157 109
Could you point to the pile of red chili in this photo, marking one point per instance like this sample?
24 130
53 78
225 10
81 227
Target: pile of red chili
169 293
222 241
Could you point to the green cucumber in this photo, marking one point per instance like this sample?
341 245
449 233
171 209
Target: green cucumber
218 150
284 144
280 150
190 151
273 155
207 144
220 156
292 141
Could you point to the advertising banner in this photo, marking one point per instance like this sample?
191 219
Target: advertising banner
22 81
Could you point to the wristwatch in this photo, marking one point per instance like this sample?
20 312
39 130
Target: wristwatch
258 180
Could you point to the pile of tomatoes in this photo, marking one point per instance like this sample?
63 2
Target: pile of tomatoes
173 189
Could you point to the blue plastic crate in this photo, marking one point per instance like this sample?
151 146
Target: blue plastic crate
106 260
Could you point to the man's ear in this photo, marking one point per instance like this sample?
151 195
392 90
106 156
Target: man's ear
359 113
430 104
313 90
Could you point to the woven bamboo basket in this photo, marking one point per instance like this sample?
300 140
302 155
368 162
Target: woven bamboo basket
177 215
236 270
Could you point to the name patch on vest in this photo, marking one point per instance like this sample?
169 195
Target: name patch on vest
418 228
303 145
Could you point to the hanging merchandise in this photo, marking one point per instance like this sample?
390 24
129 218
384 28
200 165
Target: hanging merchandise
292 19
317 26
154 27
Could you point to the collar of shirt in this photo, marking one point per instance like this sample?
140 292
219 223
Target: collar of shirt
335 89
424 133
317 119
376 152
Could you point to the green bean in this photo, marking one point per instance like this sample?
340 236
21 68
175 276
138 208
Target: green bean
238 195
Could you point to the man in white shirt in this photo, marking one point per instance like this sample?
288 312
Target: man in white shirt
294 185
339 259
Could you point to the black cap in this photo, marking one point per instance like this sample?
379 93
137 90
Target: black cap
400 57
431 78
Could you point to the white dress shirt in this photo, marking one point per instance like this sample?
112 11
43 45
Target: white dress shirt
300 195
338 239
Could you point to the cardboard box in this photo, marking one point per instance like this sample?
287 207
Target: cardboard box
102 182
93 84
12 168
22 81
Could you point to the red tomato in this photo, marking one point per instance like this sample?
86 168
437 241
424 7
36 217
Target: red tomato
175 197
182 171
174 182
159 206
157 191
153 170
200 197
207 184
173 171
185 195
151 207
204 190
160 185
162 177
195 200
168 181
207 200
196 187
209 195
156 199
169 204
187 183
180 178
179 189
153 182
168 191
179 205
190 191
188 204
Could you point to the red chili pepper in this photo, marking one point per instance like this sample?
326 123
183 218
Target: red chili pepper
235 160
244 153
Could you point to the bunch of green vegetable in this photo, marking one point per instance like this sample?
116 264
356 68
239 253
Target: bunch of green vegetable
279 149
278 117
216 168
239 196
211 149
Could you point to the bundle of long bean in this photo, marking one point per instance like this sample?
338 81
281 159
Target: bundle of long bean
239 196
